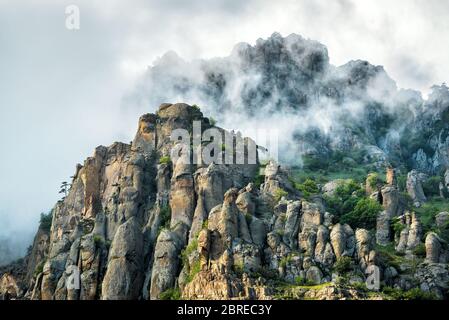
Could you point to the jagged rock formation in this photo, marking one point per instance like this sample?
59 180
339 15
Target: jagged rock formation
140 222
137 224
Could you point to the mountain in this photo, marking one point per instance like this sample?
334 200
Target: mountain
362 194
323 110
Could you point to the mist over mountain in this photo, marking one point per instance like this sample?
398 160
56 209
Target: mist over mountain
319 109
362 182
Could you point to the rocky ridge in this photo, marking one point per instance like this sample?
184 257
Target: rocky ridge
137 225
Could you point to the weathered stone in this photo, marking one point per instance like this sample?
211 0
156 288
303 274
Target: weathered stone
442 219
342 240
324 253
165 264
312 215
124 276
414 188
363 247
383 228
433 248
314 275
292 221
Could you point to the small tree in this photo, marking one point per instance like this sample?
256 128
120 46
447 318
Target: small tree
64 189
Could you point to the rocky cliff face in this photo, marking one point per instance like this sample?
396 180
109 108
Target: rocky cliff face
126 217
138 223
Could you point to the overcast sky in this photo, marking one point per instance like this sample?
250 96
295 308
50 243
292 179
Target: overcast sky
61 90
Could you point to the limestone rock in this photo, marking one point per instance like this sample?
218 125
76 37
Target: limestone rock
342 240
442 219
414 188
383 229
292 221
124 276
165 264
433 248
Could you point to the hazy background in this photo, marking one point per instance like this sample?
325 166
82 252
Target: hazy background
61 91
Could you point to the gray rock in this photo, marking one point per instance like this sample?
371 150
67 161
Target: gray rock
124 276
442 219
433 248
292 224
414 188
342 240
383 233
314 275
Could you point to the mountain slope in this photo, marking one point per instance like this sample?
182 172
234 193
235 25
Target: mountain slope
138 223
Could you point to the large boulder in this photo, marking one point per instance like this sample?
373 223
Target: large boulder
342 240
433 248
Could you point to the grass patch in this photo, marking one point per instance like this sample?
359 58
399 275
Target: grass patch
413 294
429 210
171 294
388 256
165 160
279 194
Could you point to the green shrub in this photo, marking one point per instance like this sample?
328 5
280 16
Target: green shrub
413 294
248 218
259 180
343 265
420 250
165 216
185 253
285 260
195 268
212 121
373 180
165 160
45 221
308 188
388 256
431 186
310 283
279 194
196 107
315 163
429 210
360 286
364 215
397 225
239 268
300 281
402 182
98 240
345 198
39 268
171 294
350 205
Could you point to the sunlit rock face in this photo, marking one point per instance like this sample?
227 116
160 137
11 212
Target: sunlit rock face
137 223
